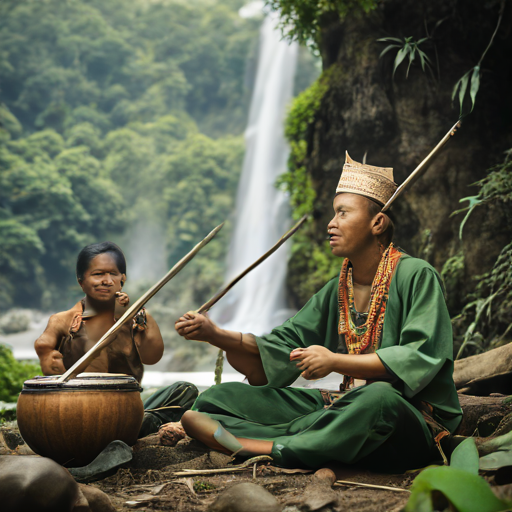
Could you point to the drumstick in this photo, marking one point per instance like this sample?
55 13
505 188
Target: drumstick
422 167
109 336
208 305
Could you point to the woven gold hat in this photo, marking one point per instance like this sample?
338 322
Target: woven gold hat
366 180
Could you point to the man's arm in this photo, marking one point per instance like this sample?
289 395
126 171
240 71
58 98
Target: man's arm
50 358
241 349
150 343
317 362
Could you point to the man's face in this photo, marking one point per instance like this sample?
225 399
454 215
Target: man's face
350 229
102 279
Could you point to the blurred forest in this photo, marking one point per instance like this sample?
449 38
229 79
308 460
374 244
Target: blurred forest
114 112
122 121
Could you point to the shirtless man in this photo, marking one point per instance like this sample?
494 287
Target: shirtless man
101 273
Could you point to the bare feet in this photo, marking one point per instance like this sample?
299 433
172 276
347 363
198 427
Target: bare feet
202 427
210 432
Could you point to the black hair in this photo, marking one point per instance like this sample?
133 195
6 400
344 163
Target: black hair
89 252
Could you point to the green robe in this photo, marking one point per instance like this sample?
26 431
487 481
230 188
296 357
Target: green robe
376 425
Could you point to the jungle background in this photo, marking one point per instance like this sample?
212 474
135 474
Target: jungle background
121 117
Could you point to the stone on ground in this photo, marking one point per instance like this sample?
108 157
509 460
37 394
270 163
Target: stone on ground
245 497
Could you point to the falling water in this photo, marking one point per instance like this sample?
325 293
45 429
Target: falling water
258 302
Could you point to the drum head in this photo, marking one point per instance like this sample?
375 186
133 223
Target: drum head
83 382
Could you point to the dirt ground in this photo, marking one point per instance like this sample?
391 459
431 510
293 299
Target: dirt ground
160 478
149 482
197 493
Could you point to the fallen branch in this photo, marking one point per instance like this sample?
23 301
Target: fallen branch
247 465
343 483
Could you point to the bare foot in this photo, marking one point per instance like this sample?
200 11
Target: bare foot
202 427
210 432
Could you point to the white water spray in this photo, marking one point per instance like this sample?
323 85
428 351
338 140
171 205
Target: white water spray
258 302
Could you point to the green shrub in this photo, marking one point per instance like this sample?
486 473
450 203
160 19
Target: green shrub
13 373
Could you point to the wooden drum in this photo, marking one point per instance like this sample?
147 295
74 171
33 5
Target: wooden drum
72 422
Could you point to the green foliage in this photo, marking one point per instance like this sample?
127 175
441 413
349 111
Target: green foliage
301 114
301 20
312 261
72 62
489 312
201 485
407 48
486 319
496 187
465 457
456 487
498 453
13 373
472 77
101 105
453 274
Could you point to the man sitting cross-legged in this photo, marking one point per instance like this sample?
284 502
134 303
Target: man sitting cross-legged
384 321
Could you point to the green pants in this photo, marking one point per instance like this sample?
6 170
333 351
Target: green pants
372 426
167 405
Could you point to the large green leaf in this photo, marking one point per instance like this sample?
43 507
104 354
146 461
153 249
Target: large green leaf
501 452
465 456
465 491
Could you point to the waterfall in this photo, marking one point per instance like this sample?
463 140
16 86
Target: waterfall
258 302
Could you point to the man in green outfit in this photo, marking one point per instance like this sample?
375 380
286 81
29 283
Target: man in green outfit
383 322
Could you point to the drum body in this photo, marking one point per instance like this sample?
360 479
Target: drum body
73 422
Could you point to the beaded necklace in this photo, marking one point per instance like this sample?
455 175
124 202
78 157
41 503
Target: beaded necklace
366 337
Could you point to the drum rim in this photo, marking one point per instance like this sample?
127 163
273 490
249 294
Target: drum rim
87 383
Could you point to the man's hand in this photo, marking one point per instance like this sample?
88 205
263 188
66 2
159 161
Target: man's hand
194 326
315 361
53 364
122 299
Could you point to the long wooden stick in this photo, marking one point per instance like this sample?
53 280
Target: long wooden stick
233 469
344 483
422 167
109 336
207 305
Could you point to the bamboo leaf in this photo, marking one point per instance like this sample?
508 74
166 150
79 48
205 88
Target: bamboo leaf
427 58
387 39
422 59
475 85
411 58
459 83
462 90
390 47
455 87
400 56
